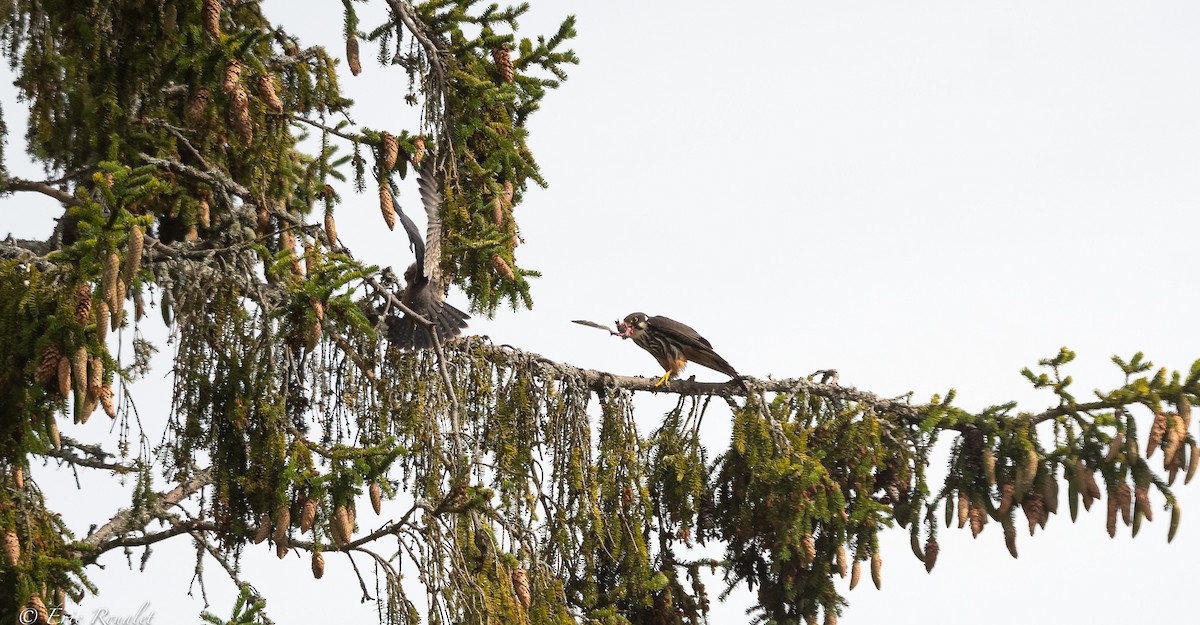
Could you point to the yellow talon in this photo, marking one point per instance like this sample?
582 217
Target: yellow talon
666 377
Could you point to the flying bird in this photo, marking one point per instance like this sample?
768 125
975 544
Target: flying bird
672 344
424 292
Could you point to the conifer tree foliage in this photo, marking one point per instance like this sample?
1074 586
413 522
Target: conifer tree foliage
174 133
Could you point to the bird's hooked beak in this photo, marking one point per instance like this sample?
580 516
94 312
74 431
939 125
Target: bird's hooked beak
624 330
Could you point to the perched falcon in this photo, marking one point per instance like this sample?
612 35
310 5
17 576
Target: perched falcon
424 292
672 344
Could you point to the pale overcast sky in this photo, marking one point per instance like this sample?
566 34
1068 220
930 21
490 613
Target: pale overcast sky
921 195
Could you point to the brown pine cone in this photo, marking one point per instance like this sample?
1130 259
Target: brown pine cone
102 317
1124 497
386 207
12 548
283 518
79 376
212 17
1173 440
308 515
855 573
64 377
95 380
266 91
508 193
352 55
502 267
19 478
989 467
264 528
342 527
195 112
318 565
931 554
106 401
112 264
233 76
331 230
877 570
520 581
503 64
418 149
1141 498
391 150
133 254
241 115
83 303
809 547
48 367
1035 512
978 518
1192 464
841 560
1006 498
498 211
1157 431
203 212
1111 520
376 497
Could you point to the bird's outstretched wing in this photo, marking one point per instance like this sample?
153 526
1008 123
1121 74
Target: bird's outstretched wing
430 262
415 241
695 348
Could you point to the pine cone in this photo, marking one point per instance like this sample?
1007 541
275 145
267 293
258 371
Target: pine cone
48 367
1141 498
233 76
809 547
19 478
964 508
498 211
1123 497
1192 464
1175 514
133 255
12 548
391 150
508 193
841 560
281 548
1050 494
102 316
204 212
266 91
64 377
1111 520
1157 431
1176 432
79 377
212 17
312 335
931 554
877 570
503 64
112 263
342 527
241 115
283 519
106 401
386 207
331 230
978 519
352 55
502 267
376 497
83 303
262 221
520 581
116 312
43 615
830 617
855 573
195 112
308 515
418 149
318 565
1026 473
95 378
1114 448
1035 512
264 528
1006 498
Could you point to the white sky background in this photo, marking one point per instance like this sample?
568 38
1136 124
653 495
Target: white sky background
921 195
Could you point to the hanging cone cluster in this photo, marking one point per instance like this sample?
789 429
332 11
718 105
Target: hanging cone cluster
83 303
520 581
352 55
195 112
418 149
503 64
266 91
48 367
386 207
391 151
502 267
212 17
12 548
318 565
233 76
241 115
